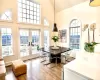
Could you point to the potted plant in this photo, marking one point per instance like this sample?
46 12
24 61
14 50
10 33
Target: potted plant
55 39
89 47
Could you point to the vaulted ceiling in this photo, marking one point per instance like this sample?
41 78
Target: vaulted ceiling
63 4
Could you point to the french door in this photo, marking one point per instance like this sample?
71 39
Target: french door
6 42
46 38
29 42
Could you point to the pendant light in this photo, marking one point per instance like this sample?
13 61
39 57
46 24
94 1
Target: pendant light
55 29
94 3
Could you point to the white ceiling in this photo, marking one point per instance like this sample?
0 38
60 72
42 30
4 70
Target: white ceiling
63 4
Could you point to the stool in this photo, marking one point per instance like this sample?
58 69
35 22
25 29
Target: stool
19 67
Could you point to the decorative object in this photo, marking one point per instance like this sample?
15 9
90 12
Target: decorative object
55 39
85 27
89 46
94 3
92 28
63 35
55 29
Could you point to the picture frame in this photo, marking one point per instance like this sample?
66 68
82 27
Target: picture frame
62 36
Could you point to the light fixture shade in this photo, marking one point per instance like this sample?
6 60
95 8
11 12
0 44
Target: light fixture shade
94 3
55 29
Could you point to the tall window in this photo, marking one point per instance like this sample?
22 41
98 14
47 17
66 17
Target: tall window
7 15
46 38
6 38
28 12
74 30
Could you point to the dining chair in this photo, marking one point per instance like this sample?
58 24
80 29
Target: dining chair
56 60
42 55
64 57
48 62
67 56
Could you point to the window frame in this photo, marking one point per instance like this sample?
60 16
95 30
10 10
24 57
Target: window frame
78 32
30 20
46 22
11 41
5 20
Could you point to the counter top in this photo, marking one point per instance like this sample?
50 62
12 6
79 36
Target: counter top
83 68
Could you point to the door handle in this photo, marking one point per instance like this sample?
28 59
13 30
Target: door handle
32 44
29 44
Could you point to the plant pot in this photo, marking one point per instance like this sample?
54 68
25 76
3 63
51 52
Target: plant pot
89 48
55 46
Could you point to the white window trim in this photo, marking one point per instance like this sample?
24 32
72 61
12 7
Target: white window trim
80 32
1 43
27 22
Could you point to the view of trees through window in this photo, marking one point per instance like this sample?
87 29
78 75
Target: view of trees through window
75 34
6 38
29 38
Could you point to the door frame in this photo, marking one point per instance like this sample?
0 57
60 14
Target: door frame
30 56
49 35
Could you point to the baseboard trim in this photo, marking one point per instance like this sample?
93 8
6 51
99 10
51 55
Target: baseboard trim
10 62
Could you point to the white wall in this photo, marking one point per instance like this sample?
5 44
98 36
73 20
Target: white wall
46 11
83 12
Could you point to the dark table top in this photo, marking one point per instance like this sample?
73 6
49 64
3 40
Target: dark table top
56 51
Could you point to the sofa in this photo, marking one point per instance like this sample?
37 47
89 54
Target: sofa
2 69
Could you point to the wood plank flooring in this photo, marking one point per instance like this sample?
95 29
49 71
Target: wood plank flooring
37 71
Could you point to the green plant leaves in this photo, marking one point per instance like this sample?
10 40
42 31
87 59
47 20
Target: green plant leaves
89 47
55 38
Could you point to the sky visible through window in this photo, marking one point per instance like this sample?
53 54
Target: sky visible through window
28 12
6 35
75 34
7 15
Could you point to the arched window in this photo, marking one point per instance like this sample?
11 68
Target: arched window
7 15
74 34
46 23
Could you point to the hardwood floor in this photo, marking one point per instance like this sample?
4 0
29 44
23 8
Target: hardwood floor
37 71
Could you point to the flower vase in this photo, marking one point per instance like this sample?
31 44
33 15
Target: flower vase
55 46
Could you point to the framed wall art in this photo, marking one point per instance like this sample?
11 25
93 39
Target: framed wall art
63 35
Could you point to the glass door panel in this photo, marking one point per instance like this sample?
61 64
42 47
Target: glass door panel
35 41
46 38
6 35
24 43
